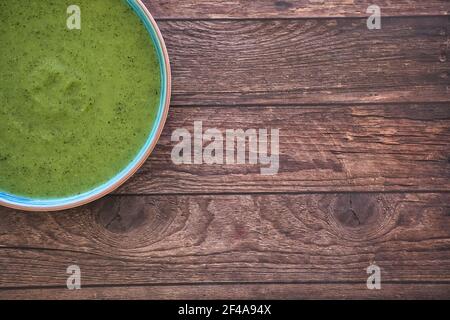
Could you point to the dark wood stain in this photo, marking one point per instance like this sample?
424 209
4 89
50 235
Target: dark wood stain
364 166
345 148
240 291
312 61
232 239
260 9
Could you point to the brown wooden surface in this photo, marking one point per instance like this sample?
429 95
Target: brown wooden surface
240 291
364 119
345 148
253 9
190 240
311 61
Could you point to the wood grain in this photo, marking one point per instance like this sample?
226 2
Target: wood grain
244 9
332 148
238 291
171 240
364 165
312 61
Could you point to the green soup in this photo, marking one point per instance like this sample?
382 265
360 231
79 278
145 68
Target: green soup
76 106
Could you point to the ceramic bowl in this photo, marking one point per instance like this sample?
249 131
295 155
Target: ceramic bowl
26 204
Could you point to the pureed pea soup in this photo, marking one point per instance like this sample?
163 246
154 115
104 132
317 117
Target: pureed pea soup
76 106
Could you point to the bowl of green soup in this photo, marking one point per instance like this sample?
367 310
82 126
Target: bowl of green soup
84 94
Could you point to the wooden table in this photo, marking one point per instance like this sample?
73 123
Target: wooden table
364 178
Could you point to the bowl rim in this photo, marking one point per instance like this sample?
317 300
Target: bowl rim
59 204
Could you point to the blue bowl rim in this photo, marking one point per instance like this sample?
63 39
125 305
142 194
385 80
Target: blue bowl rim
28 204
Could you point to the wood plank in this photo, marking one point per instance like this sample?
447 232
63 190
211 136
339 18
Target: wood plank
308 61
244 9
238 291
310 238
334 148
